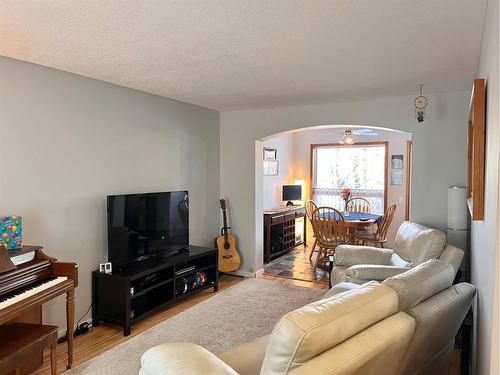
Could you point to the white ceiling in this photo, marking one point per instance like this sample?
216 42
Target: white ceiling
232 54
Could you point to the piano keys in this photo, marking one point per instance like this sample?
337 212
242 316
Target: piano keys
26 286
29 290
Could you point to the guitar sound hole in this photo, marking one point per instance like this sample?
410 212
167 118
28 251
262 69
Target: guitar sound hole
227 246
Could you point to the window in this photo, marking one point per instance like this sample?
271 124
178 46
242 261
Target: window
361 167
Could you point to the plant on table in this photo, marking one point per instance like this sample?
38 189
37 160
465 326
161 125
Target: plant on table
346 194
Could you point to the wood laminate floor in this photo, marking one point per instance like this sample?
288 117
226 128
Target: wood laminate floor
296 265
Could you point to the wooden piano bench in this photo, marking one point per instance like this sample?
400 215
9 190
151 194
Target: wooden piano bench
22 340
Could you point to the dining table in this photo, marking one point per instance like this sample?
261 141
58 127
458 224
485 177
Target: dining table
359 220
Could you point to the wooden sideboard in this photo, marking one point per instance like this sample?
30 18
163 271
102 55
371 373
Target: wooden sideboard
279 231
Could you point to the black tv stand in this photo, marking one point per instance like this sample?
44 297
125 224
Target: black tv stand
149 261
141 289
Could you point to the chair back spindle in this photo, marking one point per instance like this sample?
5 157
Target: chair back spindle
385 223
310 207
330 227
358 204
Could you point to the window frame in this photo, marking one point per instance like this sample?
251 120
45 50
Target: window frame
312 163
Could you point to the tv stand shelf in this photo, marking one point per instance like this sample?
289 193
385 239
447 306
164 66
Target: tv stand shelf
138 291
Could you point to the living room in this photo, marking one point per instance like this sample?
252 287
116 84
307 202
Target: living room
111 99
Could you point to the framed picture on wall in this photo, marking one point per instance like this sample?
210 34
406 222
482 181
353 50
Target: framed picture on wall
397 162
476 141
396 178
270 153
270 167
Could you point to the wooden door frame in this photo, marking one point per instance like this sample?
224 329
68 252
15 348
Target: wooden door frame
313 146
409 145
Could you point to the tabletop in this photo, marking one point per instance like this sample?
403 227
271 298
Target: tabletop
362 216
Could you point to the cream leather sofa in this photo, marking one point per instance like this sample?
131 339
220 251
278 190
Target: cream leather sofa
414 245
405 325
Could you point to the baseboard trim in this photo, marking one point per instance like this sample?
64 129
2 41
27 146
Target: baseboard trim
242 273
247 273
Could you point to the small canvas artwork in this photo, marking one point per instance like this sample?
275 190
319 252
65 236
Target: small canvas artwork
396 178
270 167
11 232
397 161
270 153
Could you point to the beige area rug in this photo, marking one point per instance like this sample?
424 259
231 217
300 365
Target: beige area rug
239 314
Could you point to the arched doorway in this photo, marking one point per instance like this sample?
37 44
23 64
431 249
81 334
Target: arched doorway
296 156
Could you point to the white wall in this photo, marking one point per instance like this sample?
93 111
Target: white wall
397 145
484 239
68 141
272 184
439 153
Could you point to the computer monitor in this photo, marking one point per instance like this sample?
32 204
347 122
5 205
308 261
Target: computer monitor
291 193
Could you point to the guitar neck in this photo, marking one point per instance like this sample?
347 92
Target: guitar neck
224 220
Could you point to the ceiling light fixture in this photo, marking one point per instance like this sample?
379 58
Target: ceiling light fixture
420 104
347 138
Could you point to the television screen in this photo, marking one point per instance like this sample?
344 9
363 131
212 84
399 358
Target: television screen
144 225
292 192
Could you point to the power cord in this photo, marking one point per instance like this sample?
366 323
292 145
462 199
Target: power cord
80 328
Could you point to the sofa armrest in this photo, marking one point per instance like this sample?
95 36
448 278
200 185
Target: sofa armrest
350 255
182 358
365 272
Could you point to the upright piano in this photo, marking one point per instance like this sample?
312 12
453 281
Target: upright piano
28 279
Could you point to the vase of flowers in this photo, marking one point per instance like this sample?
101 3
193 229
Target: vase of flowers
345 194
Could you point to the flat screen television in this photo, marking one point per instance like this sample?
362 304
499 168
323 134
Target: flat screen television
291 193
141 226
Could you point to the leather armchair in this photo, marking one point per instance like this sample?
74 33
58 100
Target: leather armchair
414 245
406 325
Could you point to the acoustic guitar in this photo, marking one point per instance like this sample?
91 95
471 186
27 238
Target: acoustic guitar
229 259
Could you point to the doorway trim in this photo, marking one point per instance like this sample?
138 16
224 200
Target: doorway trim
409 145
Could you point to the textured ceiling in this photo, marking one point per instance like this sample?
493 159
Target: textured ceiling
232 54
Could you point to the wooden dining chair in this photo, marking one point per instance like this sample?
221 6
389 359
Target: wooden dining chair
310 207
358 204
380 236
331 231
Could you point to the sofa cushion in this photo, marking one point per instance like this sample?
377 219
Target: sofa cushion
246 359
312 329
376 350
452 255
397 261
416 243
421 282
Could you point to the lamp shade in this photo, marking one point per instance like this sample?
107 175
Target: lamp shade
457 208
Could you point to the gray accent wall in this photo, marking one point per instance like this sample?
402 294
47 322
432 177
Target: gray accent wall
68 141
